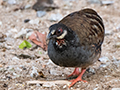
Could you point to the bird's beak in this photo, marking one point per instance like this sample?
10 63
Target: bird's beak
50 36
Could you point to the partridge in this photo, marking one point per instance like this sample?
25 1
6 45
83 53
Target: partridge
76 41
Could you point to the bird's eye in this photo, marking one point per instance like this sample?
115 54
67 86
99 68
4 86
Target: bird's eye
59 31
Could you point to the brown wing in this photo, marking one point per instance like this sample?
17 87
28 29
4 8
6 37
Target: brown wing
87 24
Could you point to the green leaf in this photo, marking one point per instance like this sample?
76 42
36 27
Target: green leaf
25 44
40 52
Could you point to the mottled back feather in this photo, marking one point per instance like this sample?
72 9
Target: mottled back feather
88 25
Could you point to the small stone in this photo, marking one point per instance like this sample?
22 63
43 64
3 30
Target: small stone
22 32
37 84
107 32
10 41
117 45
48 84
55 72
55 17
14 74
95 89
103 65
118 27
0 23
107 2
1 65
26 20
15 58
28 34
41 13
35 21
34 72
11 31
28 6
23 67
12 2
5 85
94 1
115 89
2 37
91 70
64 86
104 59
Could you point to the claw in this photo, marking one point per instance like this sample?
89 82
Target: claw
75 72
79 78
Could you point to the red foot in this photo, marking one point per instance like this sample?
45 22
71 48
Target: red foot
79 78
75 72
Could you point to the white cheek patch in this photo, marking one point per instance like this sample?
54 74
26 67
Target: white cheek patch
63 35
52 32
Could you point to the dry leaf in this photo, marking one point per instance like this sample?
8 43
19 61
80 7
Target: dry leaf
39 39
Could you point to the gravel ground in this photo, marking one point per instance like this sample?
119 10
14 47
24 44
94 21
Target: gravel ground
18 68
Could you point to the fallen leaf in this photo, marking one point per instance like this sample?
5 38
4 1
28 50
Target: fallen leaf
39 39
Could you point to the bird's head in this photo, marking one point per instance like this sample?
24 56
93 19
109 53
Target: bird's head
57 31
60 34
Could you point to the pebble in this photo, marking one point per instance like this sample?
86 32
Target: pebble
35 21
118 27
22 32
104 59
14 74
48 85
115 89
94 1
15 58
37 84
56 17
107 2
0 23
117 45
103 65
55 72
26 20
34 72
95 89
28 34
11 31
64 86
68 4
50 62
28 6
12 2
5 85
118 36
41 13
108 32
91 70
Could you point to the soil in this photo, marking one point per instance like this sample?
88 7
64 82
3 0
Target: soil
18 66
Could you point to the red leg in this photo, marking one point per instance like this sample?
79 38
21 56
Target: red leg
75 72
79 78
